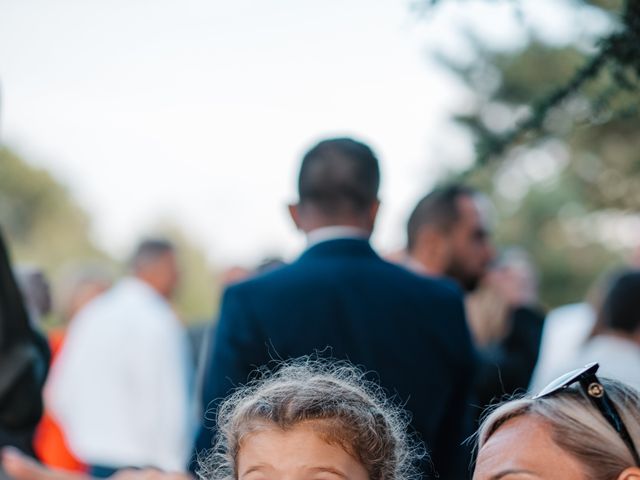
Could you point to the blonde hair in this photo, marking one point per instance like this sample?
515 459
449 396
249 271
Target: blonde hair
349 410
578 426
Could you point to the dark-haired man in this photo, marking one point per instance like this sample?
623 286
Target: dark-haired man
448 235
340 299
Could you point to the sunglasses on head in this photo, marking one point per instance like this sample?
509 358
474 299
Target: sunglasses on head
594 389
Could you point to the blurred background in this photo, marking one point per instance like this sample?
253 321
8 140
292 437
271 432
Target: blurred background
124 118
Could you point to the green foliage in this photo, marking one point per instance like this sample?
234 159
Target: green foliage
41 220
558 150
567 256
617 58
523 79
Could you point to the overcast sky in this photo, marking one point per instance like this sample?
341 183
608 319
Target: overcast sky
199 110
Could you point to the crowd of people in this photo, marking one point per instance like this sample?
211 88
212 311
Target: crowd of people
444 329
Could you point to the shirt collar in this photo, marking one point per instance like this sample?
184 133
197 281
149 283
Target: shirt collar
133 283
334 232
410 263
415 266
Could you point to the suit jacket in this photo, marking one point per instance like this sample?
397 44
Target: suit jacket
505 368
342 300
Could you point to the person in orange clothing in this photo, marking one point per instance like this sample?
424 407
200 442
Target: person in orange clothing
80 287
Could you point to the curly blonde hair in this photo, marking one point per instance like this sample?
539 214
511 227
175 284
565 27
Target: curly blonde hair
348 410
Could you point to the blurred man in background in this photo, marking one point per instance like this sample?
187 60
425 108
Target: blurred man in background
120 388
449 235
341 300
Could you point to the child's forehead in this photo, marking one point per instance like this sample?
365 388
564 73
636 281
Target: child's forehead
332 432
322 427
301 447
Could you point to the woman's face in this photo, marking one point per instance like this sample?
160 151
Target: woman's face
295 454
523 448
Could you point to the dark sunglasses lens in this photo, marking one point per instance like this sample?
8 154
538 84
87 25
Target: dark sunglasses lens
566 379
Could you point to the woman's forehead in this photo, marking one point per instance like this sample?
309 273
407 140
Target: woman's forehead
524 445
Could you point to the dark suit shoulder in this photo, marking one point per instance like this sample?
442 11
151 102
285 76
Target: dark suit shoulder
263 281
438 287
305 272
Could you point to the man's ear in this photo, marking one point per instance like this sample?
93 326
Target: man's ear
432 249
432 239
631 473
294 213
373 213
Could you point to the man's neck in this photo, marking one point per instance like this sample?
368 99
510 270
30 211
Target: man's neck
149 282
333 232
414 264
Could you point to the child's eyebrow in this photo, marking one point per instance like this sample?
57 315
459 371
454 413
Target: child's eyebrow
504 473
256 468
328 469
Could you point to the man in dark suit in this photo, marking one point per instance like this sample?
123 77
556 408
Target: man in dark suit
342 300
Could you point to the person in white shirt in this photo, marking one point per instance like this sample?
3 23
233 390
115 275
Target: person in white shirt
121 386
565 332
615 344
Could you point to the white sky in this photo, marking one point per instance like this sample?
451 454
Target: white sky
199 110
